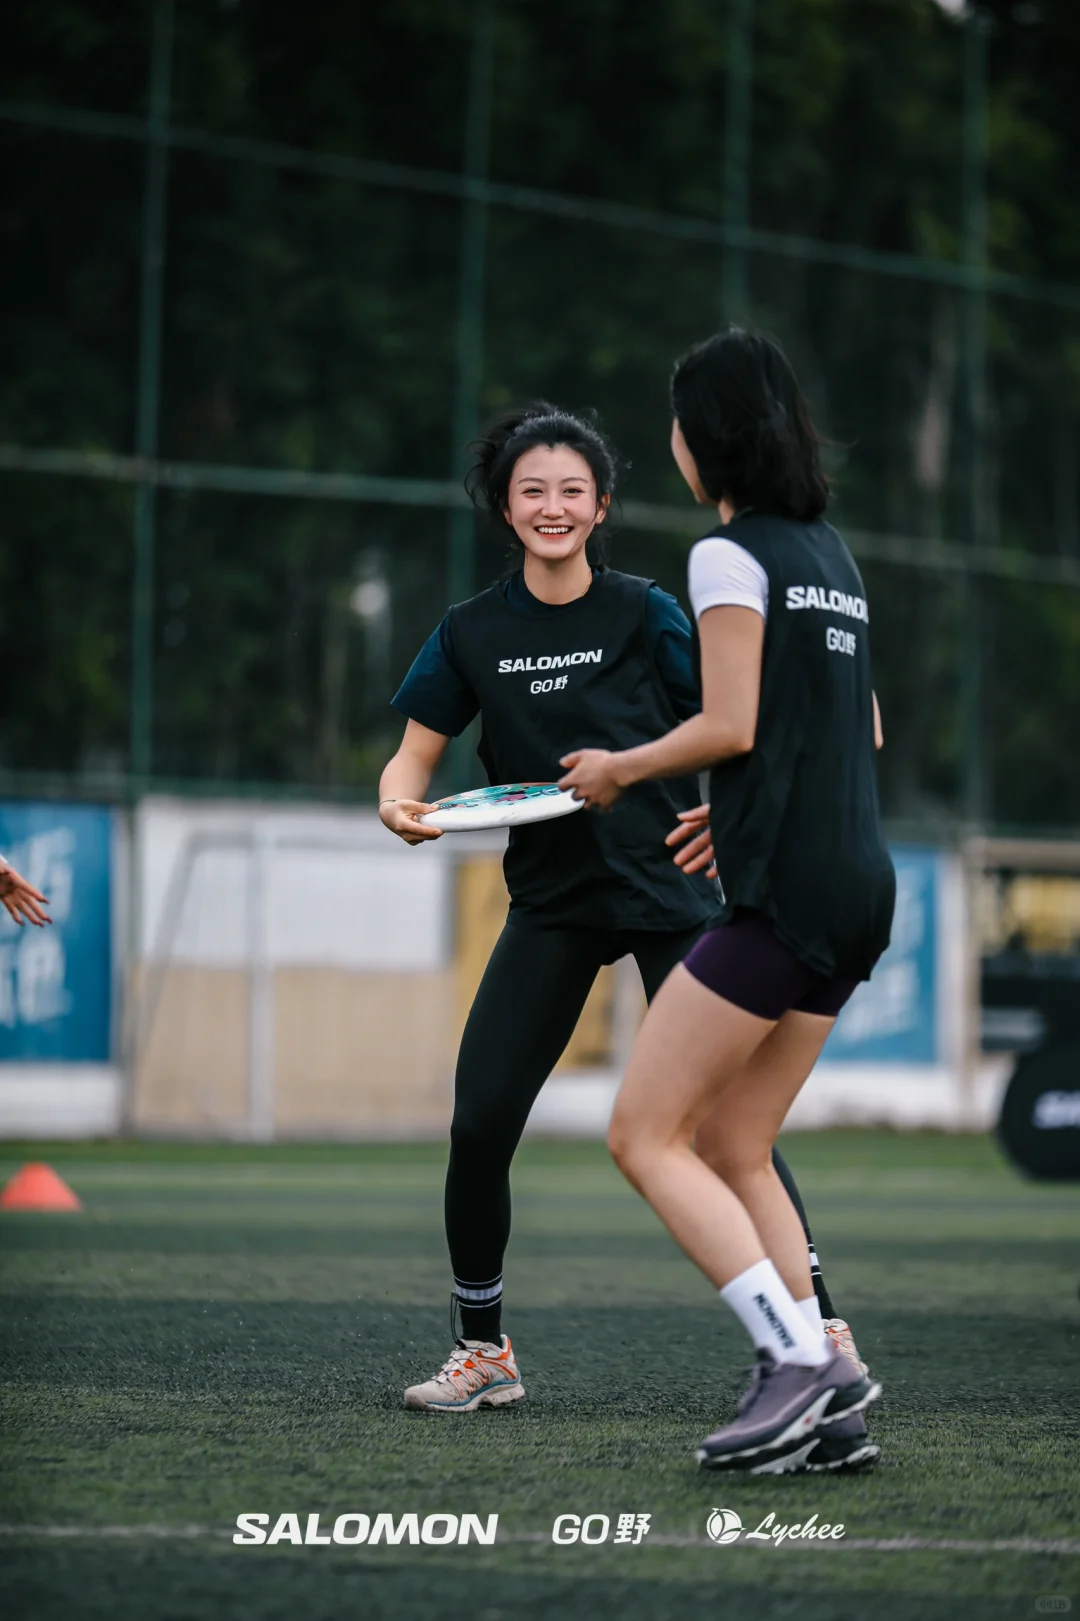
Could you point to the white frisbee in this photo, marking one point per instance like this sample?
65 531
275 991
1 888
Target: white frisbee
510 805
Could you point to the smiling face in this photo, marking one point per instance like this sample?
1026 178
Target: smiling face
552 504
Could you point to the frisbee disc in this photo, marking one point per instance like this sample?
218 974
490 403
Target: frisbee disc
510 805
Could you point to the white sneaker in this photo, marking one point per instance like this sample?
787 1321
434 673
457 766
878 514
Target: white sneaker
477 1374
840 1337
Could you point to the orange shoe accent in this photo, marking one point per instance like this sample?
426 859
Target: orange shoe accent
37 1187
477 1374
839 1336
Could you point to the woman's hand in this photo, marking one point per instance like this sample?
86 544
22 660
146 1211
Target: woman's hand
592 774
405 781
698 854
400 816
21 900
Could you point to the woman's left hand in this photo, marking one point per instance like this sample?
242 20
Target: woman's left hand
698 854
591 774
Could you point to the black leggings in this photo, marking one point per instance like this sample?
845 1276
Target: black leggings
532 993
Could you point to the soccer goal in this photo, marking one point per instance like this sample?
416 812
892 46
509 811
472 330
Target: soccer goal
292 976
303 974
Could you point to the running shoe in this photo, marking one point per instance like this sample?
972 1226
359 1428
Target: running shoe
787 1403
841 1339
844 1444
476 1374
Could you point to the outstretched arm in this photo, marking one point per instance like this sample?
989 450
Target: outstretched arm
405 782
21 900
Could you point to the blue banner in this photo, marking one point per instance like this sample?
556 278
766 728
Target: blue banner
56 983
893 1018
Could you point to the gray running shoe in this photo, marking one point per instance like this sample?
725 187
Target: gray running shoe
787 1404
844 1444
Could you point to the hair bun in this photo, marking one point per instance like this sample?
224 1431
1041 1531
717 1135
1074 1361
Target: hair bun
506 437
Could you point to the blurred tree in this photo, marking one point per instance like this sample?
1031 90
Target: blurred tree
310 323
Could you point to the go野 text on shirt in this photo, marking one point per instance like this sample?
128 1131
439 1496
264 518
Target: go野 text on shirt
554 661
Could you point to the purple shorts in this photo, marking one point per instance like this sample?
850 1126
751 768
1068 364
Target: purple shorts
744 962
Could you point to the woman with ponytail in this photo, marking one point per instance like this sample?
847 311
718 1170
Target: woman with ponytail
584 890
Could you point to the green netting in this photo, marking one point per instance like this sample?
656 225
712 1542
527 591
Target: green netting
317 317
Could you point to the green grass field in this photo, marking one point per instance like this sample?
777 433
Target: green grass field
229 1329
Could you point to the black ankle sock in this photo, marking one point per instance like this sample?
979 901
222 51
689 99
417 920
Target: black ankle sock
481 1322
824 1299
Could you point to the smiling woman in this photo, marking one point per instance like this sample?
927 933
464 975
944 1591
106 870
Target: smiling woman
561 655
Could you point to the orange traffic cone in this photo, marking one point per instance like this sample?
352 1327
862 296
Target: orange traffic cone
37 1187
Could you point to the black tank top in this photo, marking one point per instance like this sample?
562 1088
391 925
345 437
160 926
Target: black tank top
581 678
796 825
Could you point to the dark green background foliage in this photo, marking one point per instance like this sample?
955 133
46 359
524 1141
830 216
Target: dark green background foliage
310 323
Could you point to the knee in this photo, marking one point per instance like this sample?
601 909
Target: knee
625 1147
637 1148
472 1139
735 1161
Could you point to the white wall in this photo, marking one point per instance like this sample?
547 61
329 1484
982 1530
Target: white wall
59 1100
907 1098
340 891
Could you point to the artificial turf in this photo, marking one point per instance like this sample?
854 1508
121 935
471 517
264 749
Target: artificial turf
229 1329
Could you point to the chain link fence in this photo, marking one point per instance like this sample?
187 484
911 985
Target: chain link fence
242 370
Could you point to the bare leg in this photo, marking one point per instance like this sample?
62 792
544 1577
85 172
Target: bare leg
735 1139
692 1051
657 955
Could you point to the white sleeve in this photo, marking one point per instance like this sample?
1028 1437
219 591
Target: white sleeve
723 575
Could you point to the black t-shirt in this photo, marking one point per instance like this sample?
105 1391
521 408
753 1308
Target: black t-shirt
796 824
582 677
437 695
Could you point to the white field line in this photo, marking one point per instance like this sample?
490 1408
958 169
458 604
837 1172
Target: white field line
189 1533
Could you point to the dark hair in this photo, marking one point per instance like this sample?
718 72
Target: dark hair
507 437
747 425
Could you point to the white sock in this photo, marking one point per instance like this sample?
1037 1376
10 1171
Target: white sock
763 1304
811 1310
